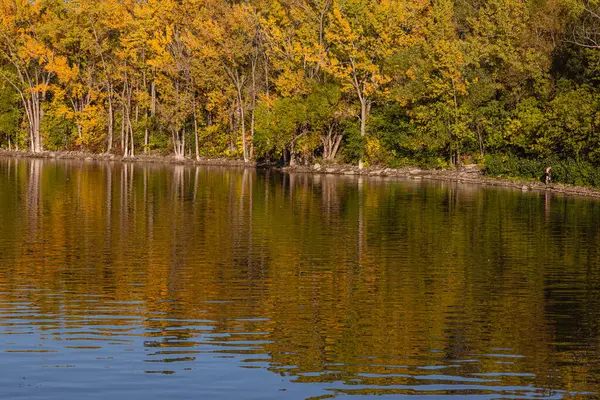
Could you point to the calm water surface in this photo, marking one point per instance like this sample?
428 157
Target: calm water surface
125 281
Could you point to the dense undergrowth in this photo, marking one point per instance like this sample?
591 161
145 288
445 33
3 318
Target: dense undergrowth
570 171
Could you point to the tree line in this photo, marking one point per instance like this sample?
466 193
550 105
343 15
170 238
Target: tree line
435 82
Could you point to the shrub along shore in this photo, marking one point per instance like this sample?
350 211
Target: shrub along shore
468 174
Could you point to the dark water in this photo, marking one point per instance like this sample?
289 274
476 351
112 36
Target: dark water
170 282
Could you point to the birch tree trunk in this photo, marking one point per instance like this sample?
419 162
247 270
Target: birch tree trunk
196 137
110 122
365 107
243 123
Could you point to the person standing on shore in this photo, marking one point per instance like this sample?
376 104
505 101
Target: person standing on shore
548 177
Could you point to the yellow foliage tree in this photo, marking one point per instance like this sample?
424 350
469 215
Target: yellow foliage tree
363 35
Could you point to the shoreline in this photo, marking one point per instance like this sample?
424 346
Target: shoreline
141 158
467 174
470 174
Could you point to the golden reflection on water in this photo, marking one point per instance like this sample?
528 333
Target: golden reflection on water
361 286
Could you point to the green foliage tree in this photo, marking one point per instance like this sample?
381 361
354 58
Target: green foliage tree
10 116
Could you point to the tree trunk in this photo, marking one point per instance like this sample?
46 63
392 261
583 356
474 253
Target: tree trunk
233 138
111 118
124 128
131 139
365 107
196 137
243 124
178 144
145 85
330 147
458 161
254 64
35 122
146 133
153 96
125 132
331 144
130 133
183 142
336 147
292 156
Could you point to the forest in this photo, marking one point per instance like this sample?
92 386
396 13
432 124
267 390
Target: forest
512 85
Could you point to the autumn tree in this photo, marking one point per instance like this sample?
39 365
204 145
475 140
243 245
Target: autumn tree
171 59
363 35
26 47
442 110
231 32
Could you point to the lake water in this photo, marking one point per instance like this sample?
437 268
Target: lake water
126 281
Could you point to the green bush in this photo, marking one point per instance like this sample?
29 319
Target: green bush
354 144
570 171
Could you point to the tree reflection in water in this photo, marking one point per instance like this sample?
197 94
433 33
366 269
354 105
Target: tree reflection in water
364 286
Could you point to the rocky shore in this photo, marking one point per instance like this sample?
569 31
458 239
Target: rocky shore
142 158
466 174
